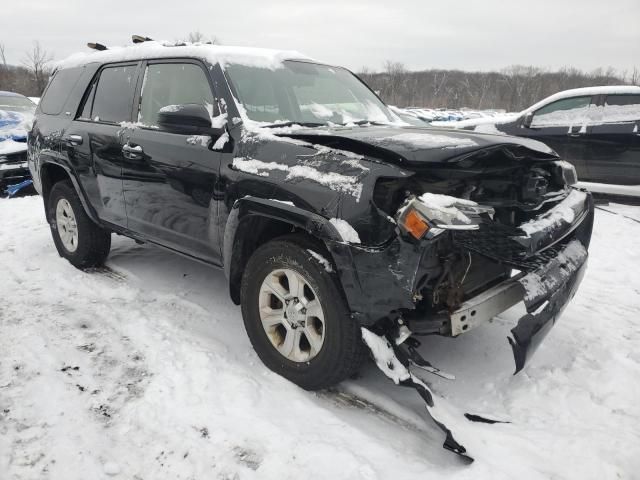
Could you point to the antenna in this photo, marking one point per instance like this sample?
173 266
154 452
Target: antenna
140 39
96 46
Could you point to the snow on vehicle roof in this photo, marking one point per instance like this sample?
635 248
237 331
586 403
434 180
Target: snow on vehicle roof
258 57
585 91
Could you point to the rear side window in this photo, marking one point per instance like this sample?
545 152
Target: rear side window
59 89
568 111
621 108
168 84
114 95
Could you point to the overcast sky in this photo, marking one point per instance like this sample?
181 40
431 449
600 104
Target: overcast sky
464 34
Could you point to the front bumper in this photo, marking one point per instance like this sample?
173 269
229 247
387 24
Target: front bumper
14 169
554 257
550 252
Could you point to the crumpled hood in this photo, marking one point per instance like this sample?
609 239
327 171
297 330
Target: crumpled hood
418 145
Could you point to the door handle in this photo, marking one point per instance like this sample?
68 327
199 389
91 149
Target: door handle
73 140
132 152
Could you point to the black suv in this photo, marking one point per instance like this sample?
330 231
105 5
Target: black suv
331 218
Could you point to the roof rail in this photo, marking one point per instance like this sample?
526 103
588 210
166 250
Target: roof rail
140 39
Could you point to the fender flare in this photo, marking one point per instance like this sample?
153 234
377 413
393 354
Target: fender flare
315 225
249 206
76 185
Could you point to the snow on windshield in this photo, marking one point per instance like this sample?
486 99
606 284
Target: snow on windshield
305 93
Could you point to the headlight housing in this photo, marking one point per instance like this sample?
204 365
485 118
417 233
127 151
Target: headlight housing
431 214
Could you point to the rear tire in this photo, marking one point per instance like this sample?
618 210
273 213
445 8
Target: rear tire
328 347
76 236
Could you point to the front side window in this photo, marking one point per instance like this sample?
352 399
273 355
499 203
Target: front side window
305 93
621 108
167 84
569 111
114 95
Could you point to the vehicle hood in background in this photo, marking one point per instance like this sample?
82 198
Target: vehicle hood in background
415 145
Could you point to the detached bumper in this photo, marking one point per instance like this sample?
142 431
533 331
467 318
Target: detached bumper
552 278
545 293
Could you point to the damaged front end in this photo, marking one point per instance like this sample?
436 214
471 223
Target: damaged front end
473 241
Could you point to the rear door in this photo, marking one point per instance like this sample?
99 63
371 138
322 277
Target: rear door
614 156
563 125
169 178
97 134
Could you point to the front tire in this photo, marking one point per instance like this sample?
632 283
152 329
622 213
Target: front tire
76 236
296 317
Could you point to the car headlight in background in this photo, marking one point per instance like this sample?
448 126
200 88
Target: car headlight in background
433 214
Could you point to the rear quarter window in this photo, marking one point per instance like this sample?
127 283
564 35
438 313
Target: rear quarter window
621 108
58 91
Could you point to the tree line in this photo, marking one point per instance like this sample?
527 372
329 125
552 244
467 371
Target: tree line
513 88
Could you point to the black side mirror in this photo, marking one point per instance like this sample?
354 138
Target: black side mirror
528 118
190 118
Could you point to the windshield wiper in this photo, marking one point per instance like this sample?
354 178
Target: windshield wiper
302 124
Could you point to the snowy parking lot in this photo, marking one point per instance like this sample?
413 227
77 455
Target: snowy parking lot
142 370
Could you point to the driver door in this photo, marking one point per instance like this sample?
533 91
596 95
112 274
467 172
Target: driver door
169 178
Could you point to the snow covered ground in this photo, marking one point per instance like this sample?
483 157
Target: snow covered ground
143 370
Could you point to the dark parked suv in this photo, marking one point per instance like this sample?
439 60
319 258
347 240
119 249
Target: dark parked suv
327 213
597 129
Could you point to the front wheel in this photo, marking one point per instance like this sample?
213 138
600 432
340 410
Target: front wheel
296 317
76 236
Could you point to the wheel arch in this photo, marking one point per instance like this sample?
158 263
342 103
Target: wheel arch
52 173
254 221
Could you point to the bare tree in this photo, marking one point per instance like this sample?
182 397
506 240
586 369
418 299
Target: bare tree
2 56
37 62
198 37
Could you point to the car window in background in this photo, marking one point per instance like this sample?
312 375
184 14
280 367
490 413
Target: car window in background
569 111
114 94
621 108
16 103
305 92
167 84
59 89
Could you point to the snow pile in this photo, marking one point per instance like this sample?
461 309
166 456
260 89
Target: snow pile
429 140
447 205
346 231
144 368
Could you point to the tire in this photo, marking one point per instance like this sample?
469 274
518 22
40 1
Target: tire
342 350
91 244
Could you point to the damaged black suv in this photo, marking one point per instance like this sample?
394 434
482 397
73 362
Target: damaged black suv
333 220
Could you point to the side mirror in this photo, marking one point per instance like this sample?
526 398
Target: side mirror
528 118
190 118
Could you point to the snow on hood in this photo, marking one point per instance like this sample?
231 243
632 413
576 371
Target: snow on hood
415 144
14 127
258 57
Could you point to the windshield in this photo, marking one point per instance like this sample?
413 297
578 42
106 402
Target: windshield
16 103
305 93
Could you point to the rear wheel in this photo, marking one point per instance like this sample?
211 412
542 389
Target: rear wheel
76 236
296 317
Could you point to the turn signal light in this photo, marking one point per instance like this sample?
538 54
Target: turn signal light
415 224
